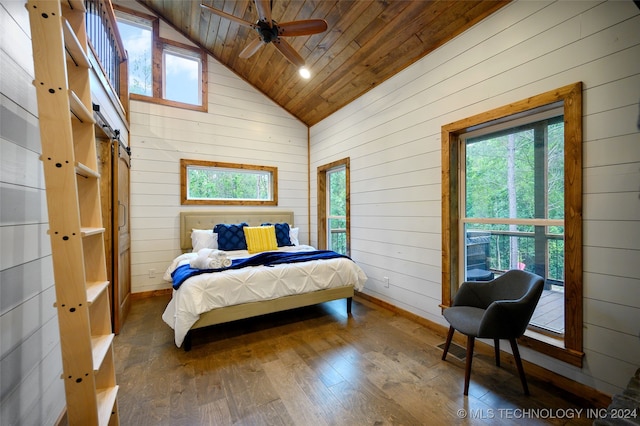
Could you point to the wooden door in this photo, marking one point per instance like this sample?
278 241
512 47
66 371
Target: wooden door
121 236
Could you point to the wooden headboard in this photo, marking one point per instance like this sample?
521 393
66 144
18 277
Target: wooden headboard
198 219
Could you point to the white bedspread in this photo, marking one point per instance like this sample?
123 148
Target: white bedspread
205 292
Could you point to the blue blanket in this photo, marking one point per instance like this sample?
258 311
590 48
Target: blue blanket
267 258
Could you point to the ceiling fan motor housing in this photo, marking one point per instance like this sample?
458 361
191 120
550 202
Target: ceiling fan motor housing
267 33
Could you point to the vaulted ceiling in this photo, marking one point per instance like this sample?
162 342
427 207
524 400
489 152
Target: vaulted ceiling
367 42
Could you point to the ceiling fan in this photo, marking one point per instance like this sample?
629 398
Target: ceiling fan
270 31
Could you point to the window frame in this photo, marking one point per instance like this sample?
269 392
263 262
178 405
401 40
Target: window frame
323 205
185 163
158 46
330 174
179 51
570 348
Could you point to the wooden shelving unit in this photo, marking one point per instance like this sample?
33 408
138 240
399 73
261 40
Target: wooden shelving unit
67 134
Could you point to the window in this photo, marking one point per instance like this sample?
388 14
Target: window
137 37
512 206
512 198
337 217
207 182
333 207
182 71
161 71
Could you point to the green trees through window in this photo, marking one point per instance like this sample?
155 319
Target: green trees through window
225 184
337 191
334 222
514 197
207 182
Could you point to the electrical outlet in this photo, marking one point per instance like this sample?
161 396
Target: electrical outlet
386 282
152 273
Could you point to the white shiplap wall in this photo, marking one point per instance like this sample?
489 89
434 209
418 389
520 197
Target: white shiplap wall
31 391
392 135
241 126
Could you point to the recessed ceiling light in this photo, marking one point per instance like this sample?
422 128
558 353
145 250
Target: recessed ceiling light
304 73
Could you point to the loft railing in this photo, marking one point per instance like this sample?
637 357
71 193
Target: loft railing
107 47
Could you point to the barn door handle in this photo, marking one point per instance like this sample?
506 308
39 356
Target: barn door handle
124 214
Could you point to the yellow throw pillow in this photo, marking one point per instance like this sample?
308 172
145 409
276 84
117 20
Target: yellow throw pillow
260 238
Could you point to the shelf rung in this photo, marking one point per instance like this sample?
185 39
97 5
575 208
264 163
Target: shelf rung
106 404
94 289
100 346
87 232
79 109
86 171
73 46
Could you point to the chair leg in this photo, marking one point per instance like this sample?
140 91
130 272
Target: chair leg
516 355
467 371
496 347
448 343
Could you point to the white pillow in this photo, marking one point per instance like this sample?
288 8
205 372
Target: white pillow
203 238
293 236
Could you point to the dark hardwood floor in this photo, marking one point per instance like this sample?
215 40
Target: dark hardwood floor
316 366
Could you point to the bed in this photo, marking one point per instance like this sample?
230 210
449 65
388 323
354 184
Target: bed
210 298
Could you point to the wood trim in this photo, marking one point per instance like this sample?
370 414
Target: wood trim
124 92
158 44
184 163
348 203
589 396
571 98
322 209
151 293
133 12
62 419
309 183
322 201
573 216
449 157
557 351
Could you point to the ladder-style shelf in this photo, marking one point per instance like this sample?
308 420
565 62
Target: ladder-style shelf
72 180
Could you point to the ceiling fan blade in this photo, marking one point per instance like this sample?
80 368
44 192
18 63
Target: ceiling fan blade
303 27
263 7
228 16
251 48
289 52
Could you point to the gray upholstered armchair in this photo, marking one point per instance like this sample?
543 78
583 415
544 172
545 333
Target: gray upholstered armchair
497 309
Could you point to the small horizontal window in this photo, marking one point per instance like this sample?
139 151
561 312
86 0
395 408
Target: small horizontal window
208 182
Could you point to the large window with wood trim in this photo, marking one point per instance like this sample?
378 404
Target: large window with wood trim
160 70
210 182
512 176
333 207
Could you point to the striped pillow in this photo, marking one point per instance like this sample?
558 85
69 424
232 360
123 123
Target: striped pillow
282 233
260 238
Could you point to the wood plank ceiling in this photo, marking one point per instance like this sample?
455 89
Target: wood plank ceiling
368 41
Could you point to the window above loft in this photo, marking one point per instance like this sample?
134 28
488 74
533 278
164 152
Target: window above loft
161 71
182 71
